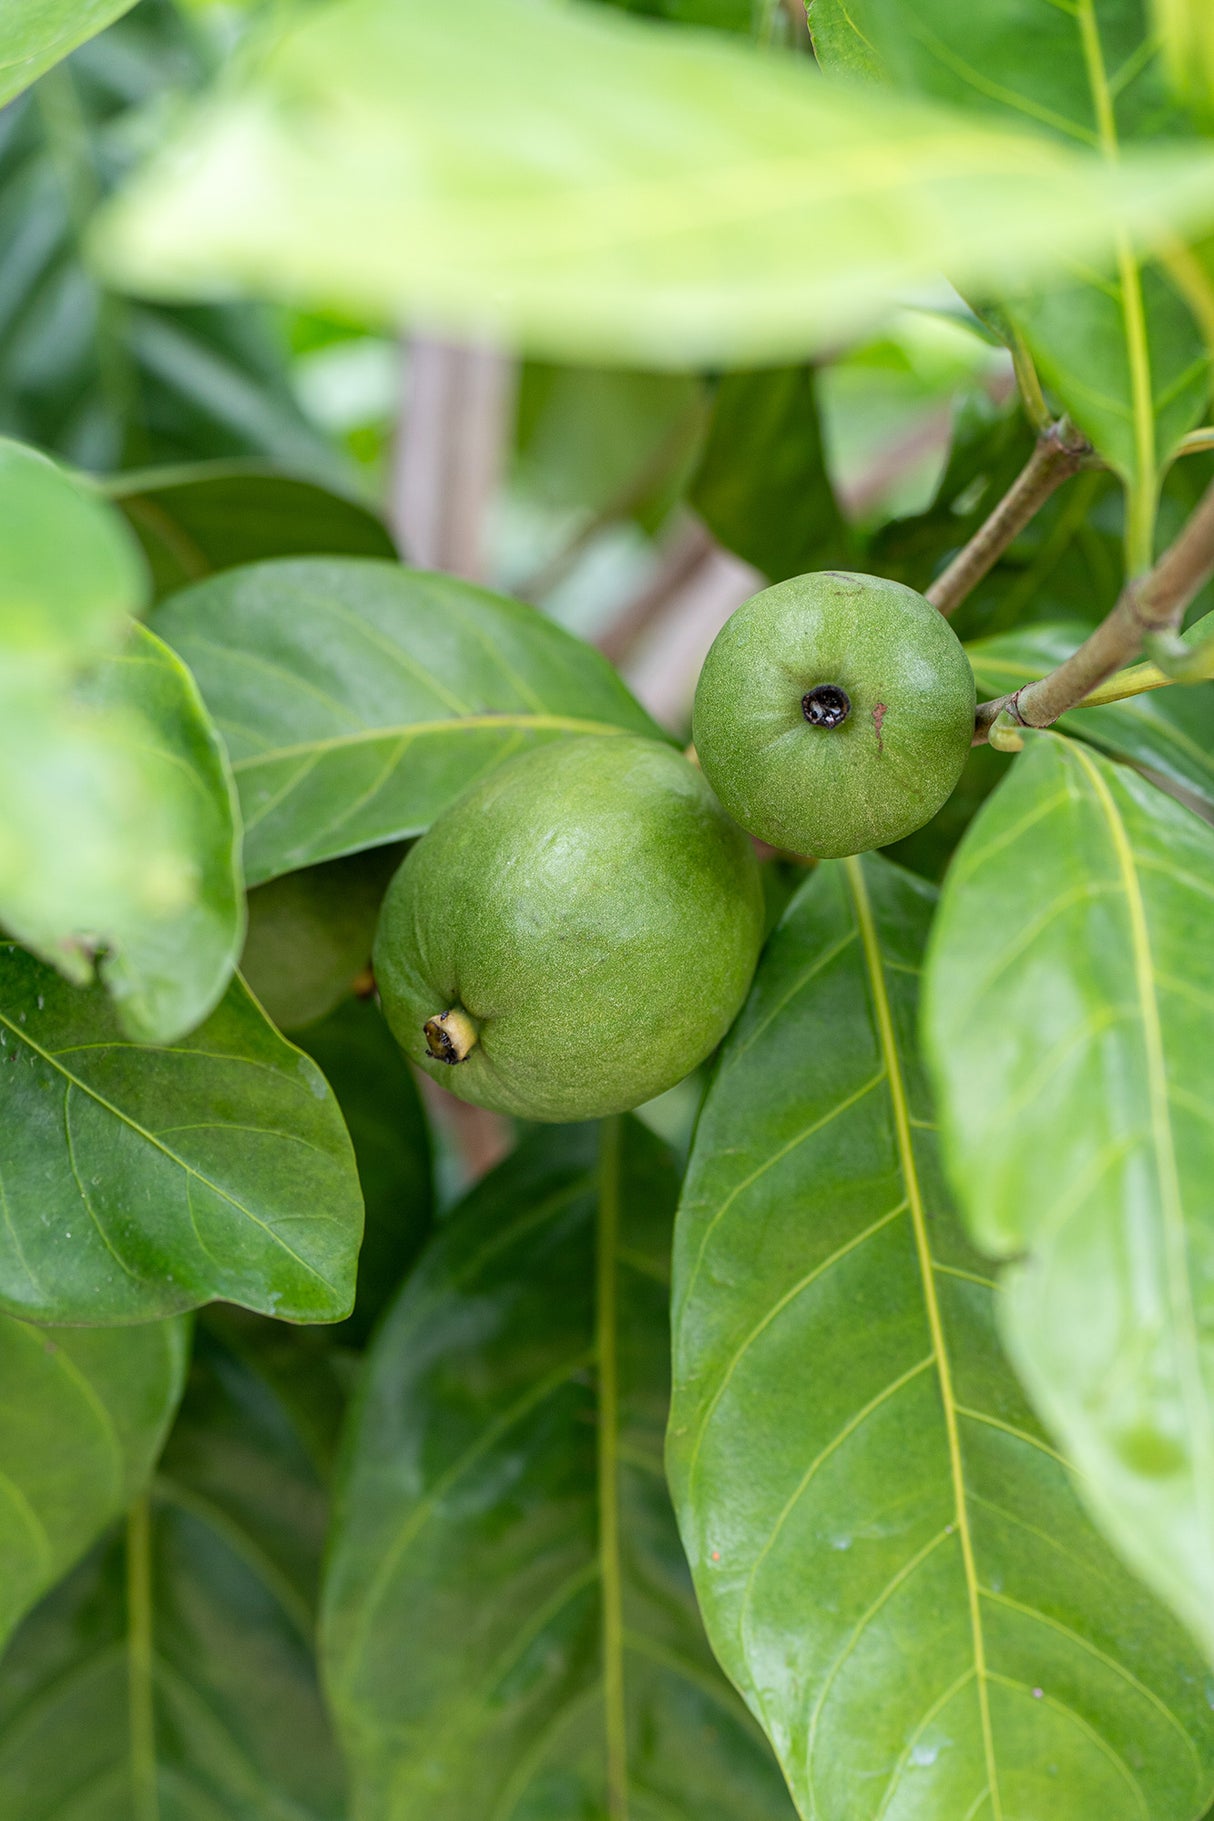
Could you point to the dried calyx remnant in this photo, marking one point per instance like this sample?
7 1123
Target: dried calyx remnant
826 705
450 1036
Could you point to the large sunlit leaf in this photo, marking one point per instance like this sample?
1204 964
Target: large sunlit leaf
510 1629
141 1181
891 1560
1167 732
358 698
597 186
1118 347
82 1419
1068 1012
195 521
34 34
172 1675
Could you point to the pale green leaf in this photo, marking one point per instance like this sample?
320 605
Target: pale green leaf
1168 733
119 837
1070 993
173 1675
358 698
139 1181
889 1555
597 186
509 1628
34 34
71 573
82 1419
1186 28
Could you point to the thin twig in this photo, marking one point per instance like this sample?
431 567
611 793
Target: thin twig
685 555
1152 603
659 464
1060 452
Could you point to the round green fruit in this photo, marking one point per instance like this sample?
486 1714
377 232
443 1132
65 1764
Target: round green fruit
834 713
574 934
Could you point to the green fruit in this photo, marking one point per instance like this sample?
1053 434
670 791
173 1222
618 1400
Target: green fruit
834 713
575 934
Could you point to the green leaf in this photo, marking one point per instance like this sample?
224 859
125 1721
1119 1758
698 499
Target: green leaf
358 699
141 1181
1168 733
310 934
83 1418
1067 1013
118 836
890 1558
1186 28
193 522
762 487
173 1675
375 1090
72 573
35 34
509 1627
1119 349
738 209
101 382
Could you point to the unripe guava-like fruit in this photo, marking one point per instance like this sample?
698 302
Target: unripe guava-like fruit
834 713
574 934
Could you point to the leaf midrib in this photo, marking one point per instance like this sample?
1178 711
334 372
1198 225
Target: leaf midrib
910 1173
509 721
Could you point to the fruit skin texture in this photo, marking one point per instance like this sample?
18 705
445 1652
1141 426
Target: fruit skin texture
593 910
878 774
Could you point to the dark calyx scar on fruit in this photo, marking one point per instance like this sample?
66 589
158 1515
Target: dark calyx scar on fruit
834 713
575 934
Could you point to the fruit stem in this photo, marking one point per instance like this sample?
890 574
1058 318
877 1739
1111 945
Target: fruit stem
451 1035
1152 603
1060 452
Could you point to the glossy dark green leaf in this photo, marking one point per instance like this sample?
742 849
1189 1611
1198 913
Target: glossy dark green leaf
34 34
193 522
761 486
173 1676
375 1091
81 373
509 1627
1166 732
1070 990
310 934
738 209
83 1417
358 698
1121 352
140 1181
890 1556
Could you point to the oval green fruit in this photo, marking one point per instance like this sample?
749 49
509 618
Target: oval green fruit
574 934
834 713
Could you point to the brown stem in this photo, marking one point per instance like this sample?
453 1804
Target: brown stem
1060 453
1154 602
